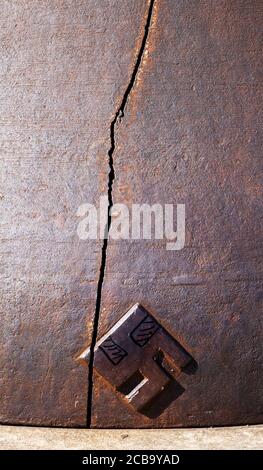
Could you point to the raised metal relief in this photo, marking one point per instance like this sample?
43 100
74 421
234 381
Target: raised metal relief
140 359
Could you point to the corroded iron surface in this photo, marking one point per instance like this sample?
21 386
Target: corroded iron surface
191 134
141 361
188 133
64 65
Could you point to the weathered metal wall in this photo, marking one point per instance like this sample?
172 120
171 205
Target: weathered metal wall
190 134
64 65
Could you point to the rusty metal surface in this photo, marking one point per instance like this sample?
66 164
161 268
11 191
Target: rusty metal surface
63 67
191 134
141 361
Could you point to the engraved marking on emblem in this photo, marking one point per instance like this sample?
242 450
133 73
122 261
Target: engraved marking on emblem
114 352
156 363
144 331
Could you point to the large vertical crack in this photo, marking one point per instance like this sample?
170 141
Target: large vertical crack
111 176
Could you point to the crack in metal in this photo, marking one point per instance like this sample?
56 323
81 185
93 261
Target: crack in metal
111 177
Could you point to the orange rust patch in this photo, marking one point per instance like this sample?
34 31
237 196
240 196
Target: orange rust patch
147 59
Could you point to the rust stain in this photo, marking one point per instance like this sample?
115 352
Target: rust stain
147 59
